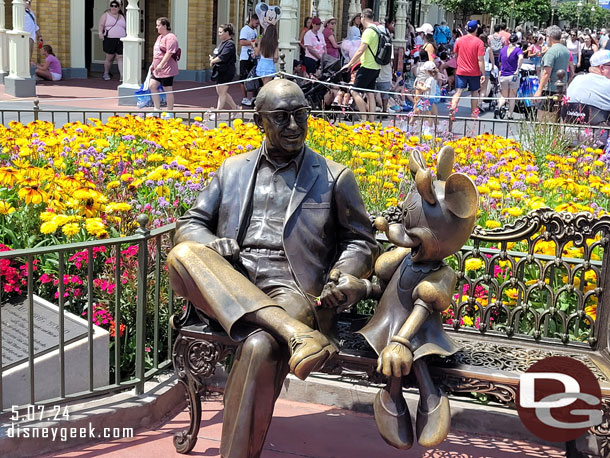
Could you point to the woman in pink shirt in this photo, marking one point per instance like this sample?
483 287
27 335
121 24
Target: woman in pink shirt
51 68
111 28
164 65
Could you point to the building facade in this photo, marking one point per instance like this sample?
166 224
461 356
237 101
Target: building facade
70 27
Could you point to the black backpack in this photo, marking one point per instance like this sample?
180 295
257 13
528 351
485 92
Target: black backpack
383 56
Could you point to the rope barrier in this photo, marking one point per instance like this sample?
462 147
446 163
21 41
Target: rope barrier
117 97
352 88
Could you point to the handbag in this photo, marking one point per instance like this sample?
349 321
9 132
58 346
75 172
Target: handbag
253 83
143 97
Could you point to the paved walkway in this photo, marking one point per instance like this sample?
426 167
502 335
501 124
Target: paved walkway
68 94
309 431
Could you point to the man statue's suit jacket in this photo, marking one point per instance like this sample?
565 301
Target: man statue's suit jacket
326 224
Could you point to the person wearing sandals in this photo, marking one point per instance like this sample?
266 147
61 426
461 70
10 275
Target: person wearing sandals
269 54
223 66
111 28
511 58
164 66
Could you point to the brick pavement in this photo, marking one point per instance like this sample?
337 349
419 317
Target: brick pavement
310 431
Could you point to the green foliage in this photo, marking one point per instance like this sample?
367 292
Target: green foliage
521 10
583 17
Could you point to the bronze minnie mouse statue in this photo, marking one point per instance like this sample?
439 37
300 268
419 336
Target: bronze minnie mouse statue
416 285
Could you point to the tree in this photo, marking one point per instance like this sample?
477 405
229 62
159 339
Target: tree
521 10
568 11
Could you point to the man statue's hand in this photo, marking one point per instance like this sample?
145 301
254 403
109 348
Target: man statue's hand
227 248
395 360
342 290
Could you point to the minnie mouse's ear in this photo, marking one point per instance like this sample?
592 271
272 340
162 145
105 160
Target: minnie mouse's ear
278 13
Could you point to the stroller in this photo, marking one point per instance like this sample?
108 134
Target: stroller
494 89
527 88
327 73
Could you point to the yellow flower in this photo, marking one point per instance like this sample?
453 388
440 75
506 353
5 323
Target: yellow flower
467 321
474 264
118 207
70 229
60 220
95 227
48 228
32 194
514 211
113 184
6 208
492 224
495 194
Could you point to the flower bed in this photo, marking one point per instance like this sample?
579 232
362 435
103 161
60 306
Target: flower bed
85 181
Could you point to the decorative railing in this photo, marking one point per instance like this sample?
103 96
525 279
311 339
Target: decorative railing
542 279
139 304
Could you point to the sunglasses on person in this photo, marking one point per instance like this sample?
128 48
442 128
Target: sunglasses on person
114 5
282 117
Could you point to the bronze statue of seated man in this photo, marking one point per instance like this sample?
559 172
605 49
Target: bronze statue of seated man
275 231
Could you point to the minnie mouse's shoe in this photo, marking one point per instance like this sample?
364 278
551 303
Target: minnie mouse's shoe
432 426
393 420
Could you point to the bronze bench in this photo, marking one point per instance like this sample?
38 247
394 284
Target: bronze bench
549 314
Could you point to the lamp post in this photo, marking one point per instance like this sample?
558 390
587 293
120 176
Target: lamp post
579 8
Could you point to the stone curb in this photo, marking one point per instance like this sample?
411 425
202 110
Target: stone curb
163 398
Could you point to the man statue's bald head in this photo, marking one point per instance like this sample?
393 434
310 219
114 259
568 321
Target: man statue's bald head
271 93
282 112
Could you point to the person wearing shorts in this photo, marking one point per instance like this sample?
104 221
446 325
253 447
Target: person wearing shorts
470 71
164 65
51 69
369 68
247 36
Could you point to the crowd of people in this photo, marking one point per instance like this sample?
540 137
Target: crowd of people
495 65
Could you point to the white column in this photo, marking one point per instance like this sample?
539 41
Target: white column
326 9
354 8
19 83
383 9
3 44
77 39
425 13
289 31
132 55
400 27
180 24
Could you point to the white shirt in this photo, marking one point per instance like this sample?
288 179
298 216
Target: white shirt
246 33
590 89
30 25
316 41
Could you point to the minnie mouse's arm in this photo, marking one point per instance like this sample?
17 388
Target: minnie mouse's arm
431 295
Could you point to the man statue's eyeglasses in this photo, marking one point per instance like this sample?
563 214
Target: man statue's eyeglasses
282 117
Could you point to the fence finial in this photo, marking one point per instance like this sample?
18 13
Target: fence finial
142 220
36 108
282 64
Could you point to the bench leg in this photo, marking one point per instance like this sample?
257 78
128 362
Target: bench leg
194 360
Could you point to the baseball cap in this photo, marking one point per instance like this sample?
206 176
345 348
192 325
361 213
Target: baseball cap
600 58
472 25
426 28
316 20
428 66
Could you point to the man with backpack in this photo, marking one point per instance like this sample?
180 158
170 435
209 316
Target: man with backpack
375 50
442 34
496 43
